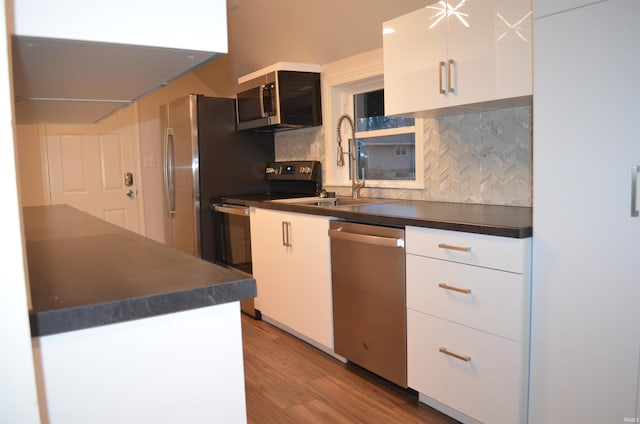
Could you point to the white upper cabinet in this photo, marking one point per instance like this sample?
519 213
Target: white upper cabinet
457 53
76 61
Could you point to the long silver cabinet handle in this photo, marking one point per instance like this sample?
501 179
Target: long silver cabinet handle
286 233
449 76
364 238
635 170
452 247
441 66
465 358
454 288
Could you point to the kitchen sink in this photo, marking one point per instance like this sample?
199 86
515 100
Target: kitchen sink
333 202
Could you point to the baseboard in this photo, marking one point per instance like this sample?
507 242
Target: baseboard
453 413
304 338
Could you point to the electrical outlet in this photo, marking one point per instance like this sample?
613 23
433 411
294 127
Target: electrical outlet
149 162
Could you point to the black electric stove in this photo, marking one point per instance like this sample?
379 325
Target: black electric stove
286 180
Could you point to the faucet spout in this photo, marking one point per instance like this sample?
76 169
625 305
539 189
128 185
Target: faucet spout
356 184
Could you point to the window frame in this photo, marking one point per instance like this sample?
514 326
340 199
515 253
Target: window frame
340 82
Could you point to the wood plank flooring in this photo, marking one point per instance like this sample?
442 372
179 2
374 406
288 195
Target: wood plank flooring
289 381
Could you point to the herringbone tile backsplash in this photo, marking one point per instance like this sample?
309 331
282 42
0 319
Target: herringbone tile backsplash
482 157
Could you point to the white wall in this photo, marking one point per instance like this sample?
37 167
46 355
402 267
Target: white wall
30 165
18 399
184 367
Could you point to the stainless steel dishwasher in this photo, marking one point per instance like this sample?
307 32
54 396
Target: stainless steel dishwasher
368 281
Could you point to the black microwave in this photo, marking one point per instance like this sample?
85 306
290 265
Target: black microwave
279 100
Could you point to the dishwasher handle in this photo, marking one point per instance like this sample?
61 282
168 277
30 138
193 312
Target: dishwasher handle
339 234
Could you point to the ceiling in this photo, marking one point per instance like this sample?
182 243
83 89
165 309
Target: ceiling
309 31
260 33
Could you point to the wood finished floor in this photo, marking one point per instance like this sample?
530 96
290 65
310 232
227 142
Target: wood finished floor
289 381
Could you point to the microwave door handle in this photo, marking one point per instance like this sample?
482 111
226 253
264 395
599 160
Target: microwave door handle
263 88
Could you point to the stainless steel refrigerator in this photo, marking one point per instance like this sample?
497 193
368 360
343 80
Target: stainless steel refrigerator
205 158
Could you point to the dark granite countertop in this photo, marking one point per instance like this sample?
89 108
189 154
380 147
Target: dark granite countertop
85 272
497 220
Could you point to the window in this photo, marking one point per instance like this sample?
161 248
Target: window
386 144
389 147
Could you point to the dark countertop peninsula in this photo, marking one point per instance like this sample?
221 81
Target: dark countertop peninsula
85 272
497 220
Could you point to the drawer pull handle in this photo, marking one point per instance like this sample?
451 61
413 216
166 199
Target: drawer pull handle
454 288
451 247
465 358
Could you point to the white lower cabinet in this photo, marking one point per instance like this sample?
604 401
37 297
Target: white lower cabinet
470 295
292 266
468 323
481 383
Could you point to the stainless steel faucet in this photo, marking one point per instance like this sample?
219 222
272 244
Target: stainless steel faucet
356 184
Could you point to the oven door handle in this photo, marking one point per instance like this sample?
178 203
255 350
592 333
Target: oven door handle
231 209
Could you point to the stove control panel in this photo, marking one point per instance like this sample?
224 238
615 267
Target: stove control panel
306 170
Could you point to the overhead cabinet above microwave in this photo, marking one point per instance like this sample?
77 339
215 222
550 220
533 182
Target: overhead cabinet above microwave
281 97
476 55
78 62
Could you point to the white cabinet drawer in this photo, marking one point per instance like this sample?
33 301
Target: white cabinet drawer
489 300
508 254
487 387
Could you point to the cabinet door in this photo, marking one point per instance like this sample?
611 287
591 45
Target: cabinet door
471 52
270 262
585 326
293 271
489 44
310 273
414 45
513 41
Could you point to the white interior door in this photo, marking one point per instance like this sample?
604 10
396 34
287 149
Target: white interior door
88 167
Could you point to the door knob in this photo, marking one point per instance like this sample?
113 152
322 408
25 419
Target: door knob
130 193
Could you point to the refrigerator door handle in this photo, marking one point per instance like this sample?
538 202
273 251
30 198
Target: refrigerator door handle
169 175
635 170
